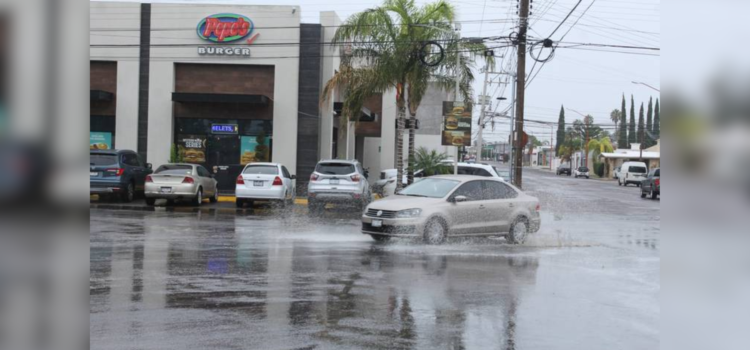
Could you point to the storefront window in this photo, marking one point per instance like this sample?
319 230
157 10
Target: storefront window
224 142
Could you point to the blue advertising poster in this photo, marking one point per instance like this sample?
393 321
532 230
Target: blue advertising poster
255 149
100 140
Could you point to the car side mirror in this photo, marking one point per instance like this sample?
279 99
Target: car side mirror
149 166
293 177
459 199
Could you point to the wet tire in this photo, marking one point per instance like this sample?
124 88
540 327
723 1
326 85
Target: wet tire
239 202
150 201
170 201
435 232
519 230
653 194
198 199
314 208
129 193
215 197
380 238
643 194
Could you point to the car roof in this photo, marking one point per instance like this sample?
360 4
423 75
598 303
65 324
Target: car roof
111 151
262 163
350 161
187 164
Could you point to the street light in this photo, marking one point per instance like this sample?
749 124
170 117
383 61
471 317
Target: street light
642 83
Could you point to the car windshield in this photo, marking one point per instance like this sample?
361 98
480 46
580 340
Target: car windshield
638 169
261 170
102 159
433 188
583 169
335 168
174 170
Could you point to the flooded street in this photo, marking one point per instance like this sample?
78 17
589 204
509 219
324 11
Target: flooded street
589 279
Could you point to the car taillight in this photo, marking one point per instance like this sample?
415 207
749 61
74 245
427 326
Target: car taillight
149 179
314 177
657 182
277 181
538 207
240 180
355 178
188 180
117 171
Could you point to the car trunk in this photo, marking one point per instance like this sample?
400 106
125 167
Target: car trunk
338 175
171 174
167 179
259 176
104 166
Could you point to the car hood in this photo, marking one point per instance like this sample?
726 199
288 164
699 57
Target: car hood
397 202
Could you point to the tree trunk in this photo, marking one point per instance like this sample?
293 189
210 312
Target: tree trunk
400 144
412 132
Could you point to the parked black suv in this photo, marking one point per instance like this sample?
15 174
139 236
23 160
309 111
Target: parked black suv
117 172
564 169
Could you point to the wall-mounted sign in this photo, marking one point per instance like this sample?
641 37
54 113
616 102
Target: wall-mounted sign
224 51
100 140
225 27
229 129
456 124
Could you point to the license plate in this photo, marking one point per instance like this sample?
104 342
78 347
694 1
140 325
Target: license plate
258 183
166 190
377 223
93 173
334 181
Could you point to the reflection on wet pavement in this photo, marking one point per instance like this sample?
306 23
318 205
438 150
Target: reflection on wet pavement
195 281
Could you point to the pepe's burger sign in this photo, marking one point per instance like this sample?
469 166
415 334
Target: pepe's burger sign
226 28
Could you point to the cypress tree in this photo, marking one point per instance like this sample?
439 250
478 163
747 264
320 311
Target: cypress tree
631 126
622 140
560 129
650 124
641 130
657 122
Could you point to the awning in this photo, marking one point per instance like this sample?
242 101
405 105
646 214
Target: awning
101 95
220 98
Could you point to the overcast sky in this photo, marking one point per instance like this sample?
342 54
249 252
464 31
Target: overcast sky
590 80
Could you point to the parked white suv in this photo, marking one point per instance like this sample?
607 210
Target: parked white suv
632 173
338 181
265 182
476 169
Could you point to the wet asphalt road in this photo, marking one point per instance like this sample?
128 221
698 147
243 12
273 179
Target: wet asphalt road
588 280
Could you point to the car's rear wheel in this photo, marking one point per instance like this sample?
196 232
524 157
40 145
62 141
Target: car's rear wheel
215 197
129 193
435 232
150 201
653 194
239 202
380 238
314 207
519 230
198 199
643 194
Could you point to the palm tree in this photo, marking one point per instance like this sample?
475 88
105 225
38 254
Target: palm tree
431 162
602 145
386 45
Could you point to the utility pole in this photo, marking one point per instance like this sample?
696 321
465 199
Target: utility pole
520 90
551 143
457 102
481 114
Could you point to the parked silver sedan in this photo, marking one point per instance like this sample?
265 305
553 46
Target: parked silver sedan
172 182
445 206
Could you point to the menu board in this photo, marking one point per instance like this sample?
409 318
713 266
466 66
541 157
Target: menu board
192 148
100 140
456 125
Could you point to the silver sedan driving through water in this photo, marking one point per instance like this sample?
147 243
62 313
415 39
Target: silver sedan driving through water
451 206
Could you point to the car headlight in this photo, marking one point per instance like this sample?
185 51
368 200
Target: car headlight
408 213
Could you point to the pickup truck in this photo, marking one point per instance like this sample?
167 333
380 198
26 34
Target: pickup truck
651 185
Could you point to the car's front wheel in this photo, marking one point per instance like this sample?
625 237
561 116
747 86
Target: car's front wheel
653 194
435 232
518 231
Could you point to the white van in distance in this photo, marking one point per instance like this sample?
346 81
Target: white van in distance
631 173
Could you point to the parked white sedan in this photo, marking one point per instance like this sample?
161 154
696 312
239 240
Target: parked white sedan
181 182
445 206
265 182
